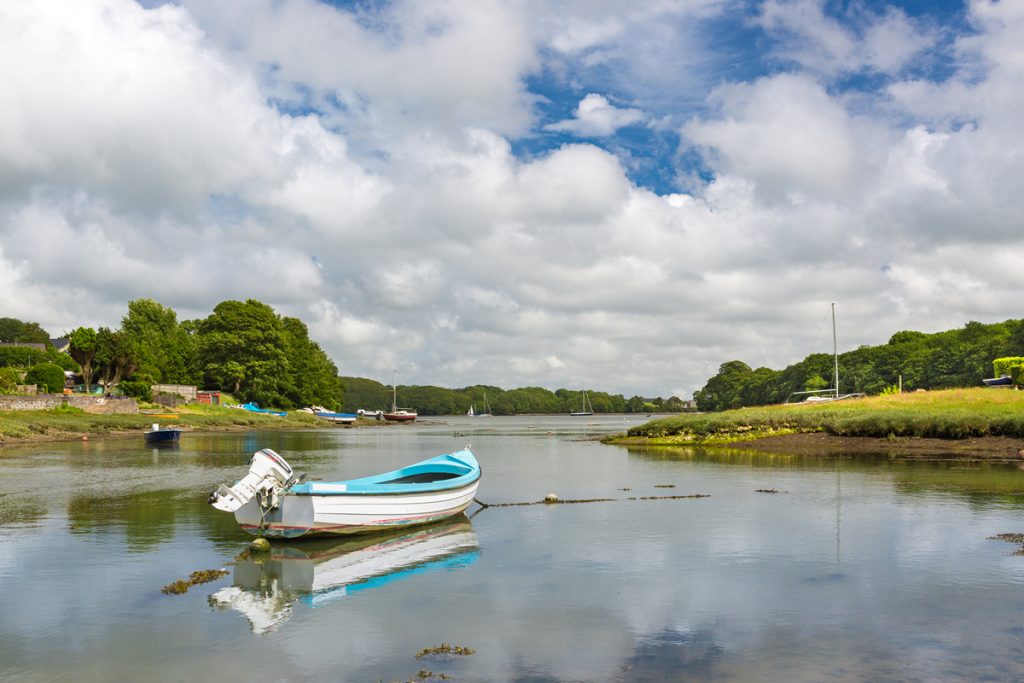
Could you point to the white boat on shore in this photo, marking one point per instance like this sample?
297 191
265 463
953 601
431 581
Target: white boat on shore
273 501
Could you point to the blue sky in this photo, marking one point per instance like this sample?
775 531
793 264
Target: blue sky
620 196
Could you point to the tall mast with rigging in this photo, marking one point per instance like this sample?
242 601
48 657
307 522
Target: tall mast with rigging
835 352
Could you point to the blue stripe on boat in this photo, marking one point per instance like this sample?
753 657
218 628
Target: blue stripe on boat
449 471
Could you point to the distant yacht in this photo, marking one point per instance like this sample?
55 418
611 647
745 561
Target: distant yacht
398 414
585 409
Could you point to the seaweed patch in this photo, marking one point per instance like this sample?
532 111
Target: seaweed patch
195 578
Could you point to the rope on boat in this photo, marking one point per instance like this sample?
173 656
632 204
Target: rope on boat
551 499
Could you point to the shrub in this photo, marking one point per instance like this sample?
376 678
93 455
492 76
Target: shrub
48 376
10 378
1005 366
137 389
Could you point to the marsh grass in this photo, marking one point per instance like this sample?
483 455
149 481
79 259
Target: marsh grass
70 423
948 414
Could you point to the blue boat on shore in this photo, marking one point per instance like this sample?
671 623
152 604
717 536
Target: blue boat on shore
165 435
255 408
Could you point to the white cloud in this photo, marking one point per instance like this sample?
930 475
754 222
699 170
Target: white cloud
597 117
885 42
789 136
364 173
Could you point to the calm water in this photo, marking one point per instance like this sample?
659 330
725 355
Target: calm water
855 570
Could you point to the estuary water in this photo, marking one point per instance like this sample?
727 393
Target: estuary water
790 569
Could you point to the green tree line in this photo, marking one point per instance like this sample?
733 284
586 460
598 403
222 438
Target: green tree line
942 360
244 348
369 394
248 350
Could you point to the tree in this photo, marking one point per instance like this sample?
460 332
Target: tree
242 348
636 405
164 349
83 349
314 376
14 331
115 356
724 390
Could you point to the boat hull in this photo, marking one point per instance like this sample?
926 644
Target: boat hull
337 418
307 515
163 436
400 417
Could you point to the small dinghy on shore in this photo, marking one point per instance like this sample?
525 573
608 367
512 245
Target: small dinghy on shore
272 501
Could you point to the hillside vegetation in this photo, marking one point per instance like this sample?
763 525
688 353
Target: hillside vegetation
431 400
948 414
943 360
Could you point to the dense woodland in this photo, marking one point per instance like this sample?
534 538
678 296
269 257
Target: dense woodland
430 400
955 358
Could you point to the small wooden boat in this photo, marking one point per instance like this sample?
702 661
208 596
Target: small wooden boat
273 501
165 435
318 572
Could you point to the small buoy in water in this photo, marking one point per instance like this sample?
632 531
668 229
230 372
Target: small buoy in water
85 437
1020 453
551 498
259 545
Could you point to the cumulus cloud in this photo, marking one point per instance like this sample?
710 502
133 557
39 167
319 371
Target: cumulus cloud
597 117
370 171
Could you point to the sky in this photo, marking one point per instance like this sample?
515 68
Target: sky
586 193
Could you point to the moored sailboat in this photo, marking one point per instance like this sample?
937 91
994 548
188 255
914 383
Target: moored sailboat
585 408
398 414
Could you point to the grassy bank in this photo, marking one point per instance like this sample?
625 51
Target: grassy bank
72 423
948 414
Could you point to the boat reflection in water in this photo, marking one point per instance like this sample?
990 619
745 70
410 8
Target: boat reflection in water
315 572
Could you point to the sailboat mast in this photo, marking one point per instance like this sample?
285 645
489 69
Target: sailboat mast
394 395
835 351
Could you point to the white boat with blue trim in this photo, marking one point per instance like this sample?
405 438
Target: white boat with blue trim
272 500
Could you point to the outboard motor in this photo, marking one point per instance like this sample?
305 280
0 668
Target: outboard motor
268 476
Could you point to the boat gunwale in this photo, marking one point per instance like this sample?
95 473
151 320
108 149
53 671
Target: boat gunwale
378 484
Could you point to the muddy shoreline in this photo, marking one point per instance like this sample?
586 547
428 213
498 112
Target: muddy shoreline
976 448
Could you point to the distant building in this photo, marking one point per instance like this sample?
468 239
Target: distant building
186 391
63 345
210 398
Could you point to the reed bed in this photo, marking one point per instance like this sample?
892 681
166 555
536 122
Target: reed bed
947 414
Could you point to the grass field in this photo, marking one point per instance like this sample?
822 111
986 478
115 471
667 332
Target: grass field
72 423
947 414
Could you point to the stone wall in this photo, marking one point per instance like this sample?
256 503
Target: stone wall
90 404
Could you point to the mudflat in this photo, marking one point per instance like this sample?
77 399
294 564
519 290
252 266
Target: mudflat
1000 448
